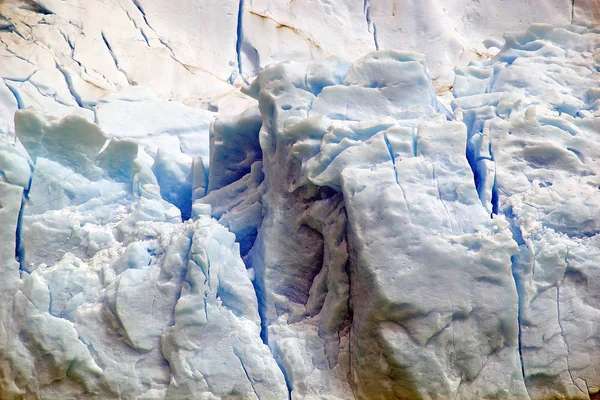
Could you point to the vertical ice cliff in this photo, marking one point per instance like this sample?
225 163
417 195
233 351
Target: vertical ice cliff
534 146
347 236
419 253
376 261
118 298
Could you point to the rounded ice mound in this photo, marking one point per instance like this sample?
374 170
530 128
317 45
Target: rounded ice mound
382 83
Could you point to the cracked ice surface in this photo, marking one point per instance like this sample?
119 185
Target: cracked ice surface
346 237
64 56
536 150
447 255
407 218
116 295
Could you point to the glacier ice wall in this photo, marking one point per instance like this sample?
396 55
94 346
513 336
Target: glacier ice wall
535 150
348 236
116 295
448 254
65 56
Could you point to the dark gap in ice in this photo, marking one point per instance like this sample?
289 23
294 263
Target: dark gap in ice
19 249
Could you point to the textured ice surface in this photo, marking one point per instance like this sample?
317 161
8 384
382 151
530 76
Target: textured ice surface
536 152
346 236
435 250
379 212
64 56
109 293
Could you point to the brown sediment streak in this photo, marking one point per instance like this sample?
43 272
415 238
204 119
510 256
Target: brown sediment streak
292 28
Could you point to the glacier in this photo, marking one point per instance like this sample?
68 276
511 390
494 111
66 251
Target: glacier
358 222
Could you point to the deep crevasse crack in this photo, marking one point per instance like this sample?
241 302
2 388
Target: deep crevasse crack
246 373
115 60
515 266
19 249
370 24
495 199
240 36
16 95
389 147
137 4
259 290
69 83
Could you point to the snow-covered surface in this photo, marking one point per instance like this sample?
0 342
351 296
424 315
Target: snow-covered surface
388 225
